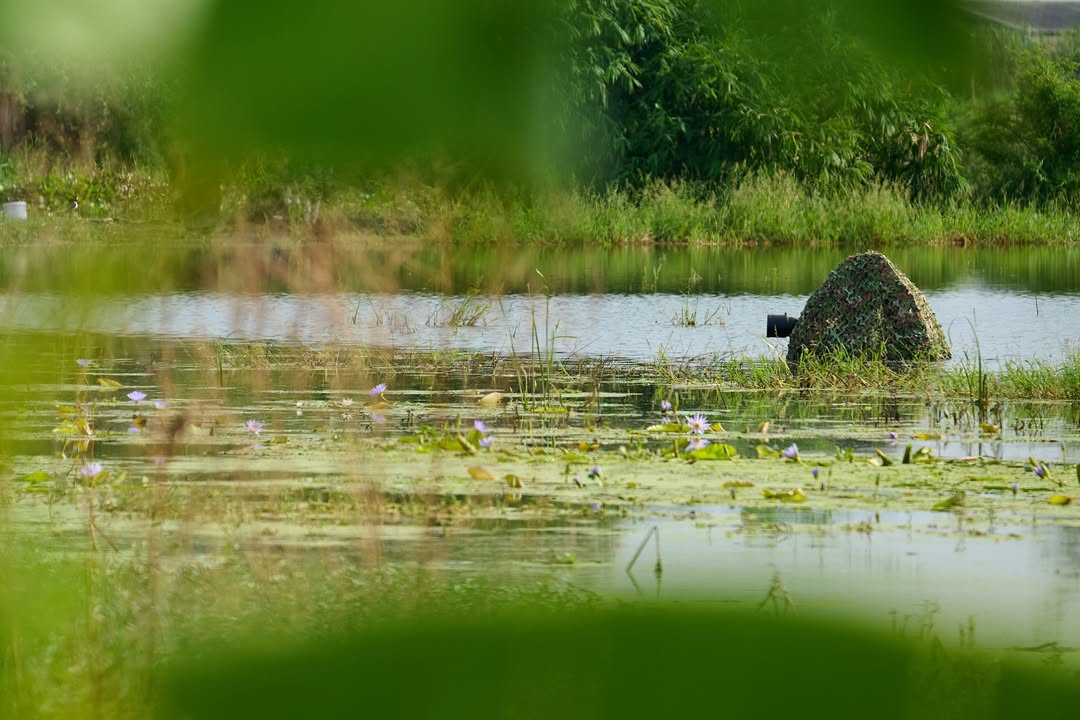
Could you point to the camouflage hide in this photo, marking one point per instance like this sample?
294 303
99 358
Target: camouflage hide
868 307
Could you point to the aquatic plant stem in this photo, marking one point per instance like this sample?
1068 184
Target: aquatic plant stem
654 532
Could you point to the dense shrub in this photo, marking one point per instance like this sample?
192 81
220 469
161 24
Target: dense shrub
119 117
678 89
1025 143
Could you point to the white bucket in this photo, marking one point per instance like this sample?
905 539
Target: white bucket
15 210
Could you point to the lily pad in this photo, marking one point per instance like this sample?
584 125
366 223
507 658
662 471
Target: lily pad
38 476
715 451
788 496
479 473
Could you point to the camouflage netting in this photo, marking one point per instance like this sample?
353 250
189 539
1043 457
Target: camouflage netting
867 306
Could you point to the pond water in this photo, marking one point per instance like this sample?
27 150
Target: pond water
440 330
629 304
1019 583
638 327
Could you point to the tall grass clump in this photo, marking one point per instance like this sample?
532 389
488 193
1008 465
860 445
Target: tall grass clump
1030 379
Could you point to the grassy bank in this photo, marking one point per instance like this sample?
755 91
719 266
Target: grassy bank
760 210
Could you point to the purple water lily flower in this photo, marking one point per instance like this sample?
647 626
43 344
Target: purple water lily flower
891 435
91 470
791 452
378 419
699 424
1040 471
377 390
160 404
697 443
485 442
84 362
136 396
665 406
595 471
815 472
134 429
480 426
254 426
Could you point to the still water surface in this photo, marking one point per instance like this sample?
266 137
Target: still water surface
1016 577
630 303
1001 324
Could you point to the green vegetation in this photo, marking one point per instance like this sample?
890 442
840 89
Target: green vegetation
1033 379
756 210
687 122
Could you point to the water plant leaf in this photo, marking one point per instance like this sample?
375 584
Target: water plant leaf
952 502
473 439
479 473
923 454
1060 499
550 410
512 481
668 428
38 476
715 451
201 430
108 382
907 455
789 496
764 451
491 399
763 428
738 484
990 428
883 458
927 436
82 427
452 444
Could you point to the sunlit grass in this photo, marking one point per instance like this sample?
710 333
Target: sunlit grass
758 210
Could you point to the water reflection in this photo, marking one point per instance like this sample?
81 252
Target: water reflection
868 564
977 319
